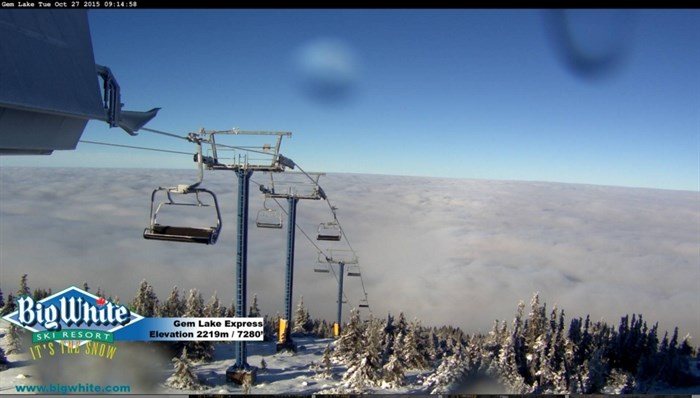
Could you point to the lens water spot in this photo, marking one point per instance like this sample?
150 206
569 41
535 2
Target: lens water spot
591 43
327 70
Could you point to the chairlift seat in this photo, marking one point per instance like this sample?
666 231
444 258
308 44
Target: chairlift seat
206 236
354 271
335 238
268 218
322 270
203 235
329 232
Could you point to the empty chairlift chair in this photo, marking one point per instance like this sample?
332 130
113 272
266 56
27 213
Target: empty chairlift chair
322 268
329 231
354 270
204 235
268 218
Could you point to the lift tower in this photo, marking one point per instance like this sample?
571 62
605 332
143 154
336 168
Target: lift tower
244 160
292 191
342 258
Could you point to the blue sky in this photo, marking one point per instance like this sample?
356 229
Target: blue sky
446 93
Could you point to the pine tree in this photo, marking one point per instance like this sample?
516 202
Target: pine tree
197 350
326 365
23 287
183 378
322 329
14 340
452 368
594 373
254 311
388 336
213 308
349 345
393 372
173 306
413 348
145 303
10 305
301 319
364 368
40 294
3 360
2 299
512 357
231 311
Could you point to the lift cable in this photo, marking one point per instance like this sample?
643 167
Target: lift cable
189 139
164 133
320 251
335 218
134 147
342 231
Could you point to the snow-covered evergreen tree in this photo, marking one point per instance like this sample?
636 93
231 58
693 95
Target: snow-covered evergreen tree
393 373
619 382
213 308
511 359
364 368
452 368
349 345
174 306
40 294
322 329
302 321
14 340
23 287
183 378
9 306
3 360
325 368
231 311
413 350
594 373
254 311
197 350
145 303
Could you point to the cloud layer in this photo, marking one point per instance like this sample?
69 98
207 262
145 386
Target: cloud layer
446 251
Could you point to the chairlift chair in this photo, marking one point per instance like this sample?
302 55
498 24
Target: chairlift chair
204 235
322 268
268 218
354 270
329 231
364 303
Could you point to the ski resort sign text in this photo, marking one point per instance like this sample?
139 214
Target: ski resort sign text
73 318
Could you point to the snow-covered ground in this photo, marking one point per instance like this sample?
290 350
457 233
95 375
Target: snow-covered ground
146 371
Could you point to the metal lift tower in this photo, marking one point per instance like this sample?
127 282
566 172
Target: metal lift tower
244 160
292 191
340 257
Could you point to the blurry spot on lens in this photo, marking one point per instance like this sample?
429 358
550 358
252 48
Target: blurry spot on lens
591 43
327 70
